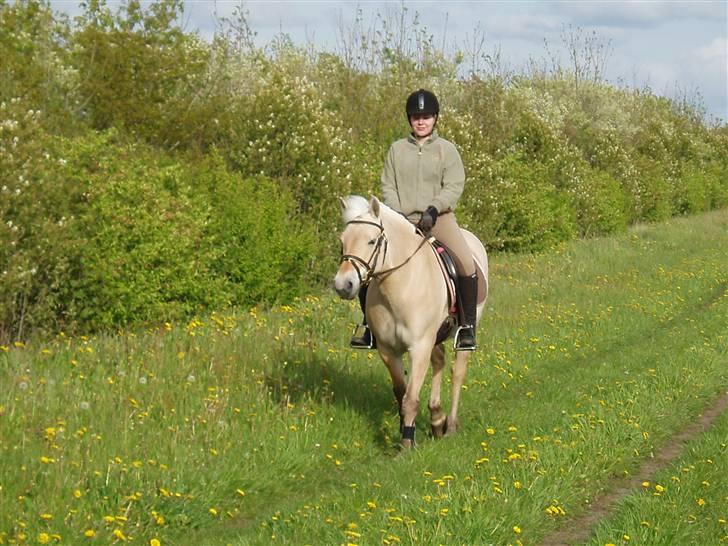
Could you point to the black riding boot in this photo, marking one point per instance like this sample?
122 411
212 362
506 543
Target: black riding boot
366 339
465 336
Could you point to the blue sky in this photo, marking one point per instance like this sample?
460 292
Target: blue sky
677 48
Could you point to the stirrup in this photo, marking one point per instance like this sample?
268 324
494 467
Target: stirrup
362 338
458 344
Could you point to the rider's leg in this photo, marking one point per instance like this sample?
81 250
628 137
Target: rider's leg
366 339
468 289
448 232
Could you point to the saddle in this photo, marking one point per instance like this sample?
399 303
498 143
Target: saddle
450 275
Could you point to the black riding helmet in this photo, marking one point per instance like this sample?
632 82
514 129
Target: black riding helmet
422 101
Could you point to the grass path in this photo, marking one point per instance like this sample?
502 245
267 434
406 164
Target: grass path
261 427
579 530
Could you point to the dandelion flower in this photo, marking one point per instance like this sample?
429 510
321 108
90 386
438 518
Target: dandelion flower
44 538
89 533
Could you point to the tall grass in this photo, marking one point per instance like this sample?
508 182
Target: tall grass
253 427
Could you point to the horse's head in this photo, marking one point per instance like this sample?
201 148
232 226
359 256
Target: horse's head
363 244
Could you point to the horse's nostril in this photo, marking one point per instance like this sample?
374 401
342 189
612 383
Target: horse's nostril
349 285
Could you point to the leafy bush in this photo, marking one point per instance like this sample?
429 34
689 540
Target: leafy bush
263 251
148 252
146 174
39 201
517 208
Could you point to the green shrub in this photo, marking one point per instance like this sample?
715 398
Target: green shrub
517 207
148 253
39 242
599 203
264 250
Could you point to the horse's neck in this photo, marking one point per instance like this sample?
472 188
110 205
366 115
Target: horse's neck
408 255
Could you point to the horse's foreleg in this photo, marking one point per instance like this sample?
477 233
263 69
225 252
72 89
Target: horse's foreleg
399 383
419 357
458 378
437 417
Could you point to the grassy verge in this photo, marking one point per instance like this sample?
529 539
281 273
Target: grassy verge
261 427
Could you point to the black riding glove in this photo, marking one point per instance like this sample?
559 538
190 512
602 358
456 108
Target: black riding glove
428 219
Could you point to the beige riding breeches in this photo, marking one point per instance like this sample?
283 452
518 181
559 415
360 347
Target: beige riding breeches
447 231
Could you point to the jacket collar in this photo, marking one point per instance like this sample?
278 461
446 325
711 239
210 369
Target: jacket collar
432 138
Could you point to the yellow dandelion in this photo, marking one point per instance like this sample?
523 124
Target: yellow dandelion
44 538
517 529
89 533
701 502
155 542
119 535
213 511
490 431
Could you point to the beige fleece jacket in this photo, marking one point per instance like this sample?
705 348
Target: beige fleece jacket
415 177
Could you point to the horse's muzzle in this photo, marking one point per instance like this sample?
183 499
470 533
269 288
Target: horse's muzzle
346 284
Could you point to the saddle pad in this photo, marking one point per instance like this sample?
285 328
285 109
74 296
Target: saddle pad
449 272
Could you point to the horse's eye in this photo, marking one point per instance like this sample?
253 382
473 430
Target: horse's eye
372 242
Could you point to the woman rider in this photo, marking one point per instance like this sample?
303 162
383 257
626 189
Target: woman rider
423 179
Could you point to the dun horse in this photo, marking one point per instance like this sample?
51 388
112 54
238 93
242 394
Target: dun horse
407 303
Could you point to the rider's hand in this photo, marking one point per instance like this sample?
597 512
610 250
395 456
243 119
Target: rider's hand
428 219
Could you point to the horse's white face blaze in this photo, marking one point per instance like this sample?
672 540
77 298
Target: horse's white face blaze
356 240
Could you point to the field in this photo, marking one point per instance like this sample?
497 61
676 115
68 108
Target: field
262 427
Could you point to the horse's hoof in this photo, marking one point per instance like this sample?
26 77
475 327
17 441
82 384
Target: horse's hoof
440 429
451 427
406 445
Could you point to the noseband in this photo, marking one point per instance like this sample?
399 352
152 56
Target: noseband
380 246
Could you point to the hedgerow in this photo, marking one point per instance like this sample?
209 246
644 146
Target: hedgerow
148 175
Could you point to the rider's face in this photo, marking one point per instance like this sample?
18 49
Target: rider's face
422 124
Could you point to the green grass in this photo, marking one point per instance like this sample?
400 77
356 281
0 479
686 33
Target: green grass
262 427
685 504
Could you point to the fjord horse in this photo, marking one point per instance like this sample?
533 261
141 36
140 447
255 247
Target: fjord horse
407 302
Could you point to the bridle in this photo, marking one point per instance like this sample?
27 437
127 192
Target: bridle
380 247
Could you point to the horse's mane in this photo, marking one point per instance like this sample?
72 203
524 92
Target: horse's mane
358 206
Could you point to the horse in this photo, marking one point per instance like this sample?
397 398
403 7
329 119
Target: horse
407 302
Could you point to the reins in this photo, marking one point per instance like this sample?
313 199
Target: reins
371 263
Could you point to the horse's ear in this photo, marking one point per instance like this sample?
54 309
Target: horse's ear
343 204
374 206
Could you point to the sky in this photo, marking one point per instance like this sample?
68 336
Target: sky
679 49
